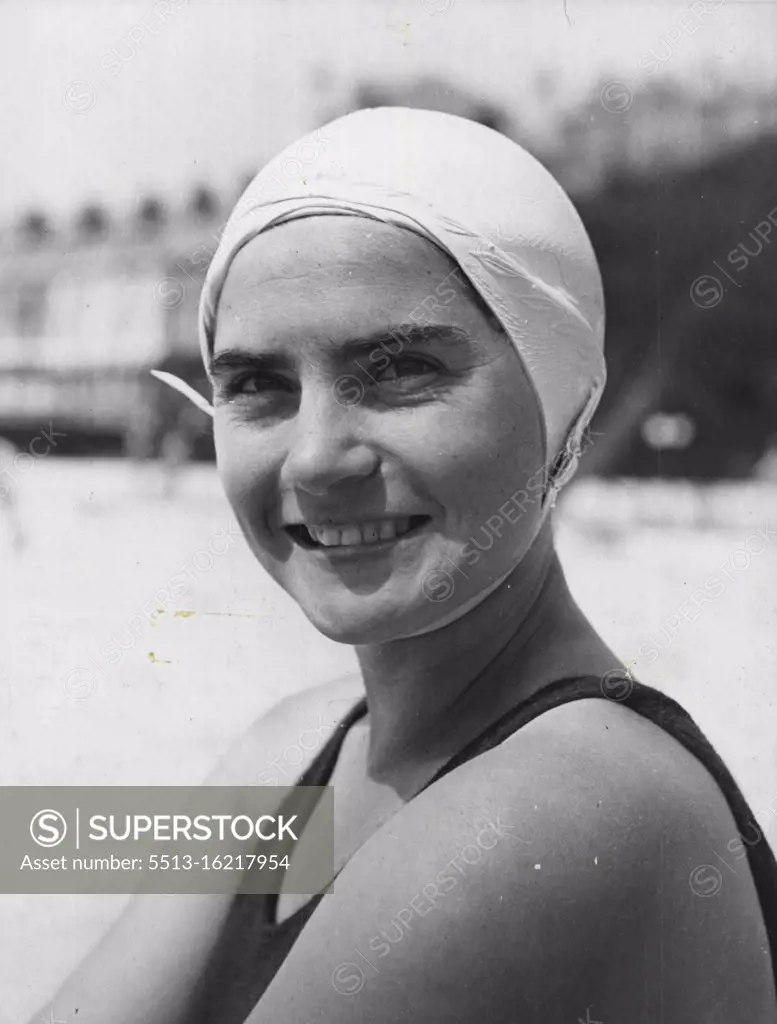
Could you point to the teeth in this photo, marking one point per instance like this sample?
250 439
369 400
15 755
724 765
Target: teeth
326 535
370 533
363 533
350 535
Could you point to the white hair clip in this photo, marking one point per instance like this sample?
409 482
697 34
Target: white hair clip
185 389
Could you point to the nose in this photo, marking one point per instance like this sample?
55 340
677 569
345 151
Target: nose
327 446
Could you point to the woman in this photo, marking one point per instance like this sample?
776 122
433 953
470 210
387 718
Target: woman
405 345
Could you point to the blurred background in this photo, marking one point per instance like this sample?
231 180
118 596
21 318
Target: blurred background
131 129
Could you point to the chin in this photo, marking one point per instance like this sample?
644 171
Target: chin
360 625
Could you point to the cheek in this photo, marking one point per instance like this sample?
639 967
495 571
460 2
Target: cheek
483 460
240 465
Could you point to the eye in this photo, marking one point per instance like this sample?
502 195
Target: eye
407 368
251 384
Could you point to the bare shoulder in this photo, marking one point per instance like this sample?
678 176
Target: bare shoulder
570 869
611 812
632 766
595 773
276 748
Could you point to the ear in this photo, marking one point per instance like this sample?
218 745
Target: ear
566 462
185 389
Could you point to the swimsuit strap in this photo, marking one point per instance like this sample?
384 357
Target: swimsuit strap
323 764
251 945
318 773
668 715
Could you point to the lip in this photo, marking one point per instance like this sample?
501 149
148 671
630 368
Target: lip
349 550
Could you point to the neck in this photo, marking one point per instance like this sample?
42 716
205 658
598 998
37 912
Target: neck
429 695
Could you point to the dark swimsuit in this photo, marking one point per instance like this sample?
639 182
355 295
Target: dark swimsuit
252 945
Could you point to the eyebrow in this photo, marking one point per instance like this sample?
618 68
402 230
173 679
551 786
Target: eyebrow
404 335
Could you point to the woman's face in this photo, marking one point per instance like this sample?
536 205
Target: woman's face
374 428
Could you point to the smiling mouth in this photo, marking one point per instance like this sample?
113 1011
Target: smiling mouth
347 535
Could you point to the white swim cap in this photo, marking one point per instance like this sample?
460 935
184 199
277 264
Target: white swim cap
486 202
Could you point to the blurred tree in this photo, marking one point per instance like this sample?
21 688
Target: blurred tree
151 216
204 204
35 228
691 314
92 223
431 93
